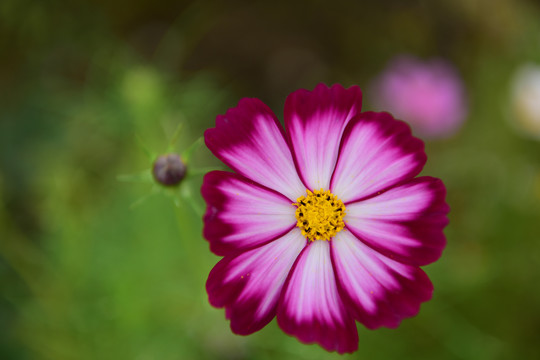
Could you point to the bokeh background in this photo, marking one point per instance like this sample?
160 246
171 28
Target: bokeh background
97 262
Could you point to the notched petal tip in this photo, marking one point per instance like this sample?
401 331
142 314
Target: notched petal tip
310 307
315 333
240 115
250 140
345 103
315 121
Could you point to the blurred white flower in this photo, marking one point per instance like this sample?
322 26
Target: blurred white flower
526 100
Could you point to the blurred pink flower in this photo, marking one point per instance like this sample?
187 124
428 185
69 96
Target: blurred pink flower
430 95
324 222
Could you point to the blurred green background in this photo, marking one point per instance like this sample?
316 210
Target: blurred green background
96 268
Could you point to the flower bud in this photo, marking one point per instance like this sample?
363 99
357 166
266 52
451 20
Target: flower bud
169 170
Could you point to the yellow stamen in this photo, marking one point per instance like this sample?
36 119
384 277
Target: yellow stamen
319 215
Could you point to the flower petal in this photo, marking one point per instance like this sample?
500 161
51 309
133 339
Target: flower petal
240 214
248 285
377 152
378 291
249 139
315 121
310 307
405 223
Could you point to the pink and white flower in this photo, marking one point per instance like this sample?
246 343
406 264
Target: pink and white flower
323 222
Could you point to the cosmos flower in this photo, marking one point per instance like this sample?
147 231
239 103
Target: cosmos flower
526 100
322 223
430 96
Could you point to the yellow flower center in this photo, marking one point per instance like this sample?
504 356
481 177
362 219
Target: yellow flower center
319 214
